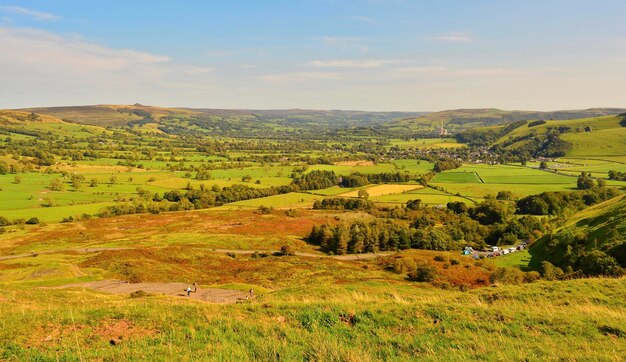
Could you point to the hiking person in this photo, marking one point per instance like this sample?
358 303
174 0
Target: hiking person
251 293
195 287
188 290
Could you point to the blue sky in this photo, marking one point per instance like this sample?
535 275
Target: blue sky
322 54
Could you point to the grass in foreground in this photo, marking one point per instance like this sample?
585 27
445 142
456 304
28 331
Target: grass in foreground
354 321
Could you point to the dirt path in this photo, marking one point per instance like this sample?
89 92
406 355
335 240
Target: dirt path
363 256
212 295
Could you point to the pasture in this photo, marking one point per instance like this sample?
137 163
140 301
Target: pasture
379 190
426 143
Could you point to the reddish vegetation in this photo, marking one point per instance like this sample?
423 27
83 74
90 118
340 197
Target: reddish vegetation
179 264
464 271
142 227
119 329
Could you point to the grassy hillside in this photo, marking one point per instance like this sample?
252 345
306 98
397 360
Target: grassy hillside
462 119
599 136
28 125
107 115
278 120
349 321
596 233
307 307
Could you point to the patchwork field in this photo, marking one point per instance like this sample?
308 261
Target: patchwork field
380 190
294 200
427 143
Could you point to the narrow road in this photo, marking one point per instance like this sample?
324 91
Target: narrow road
364 256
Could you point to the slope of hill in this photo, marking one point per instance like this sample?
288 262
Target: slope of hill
107 115
591 242
462 119
599 136
20 124
178 119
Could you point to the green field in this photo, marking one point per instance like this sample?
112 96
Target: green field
426 143
457 177
183 197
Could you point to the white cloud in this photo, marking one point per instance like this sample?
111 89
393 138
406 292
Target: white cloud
32 47
42 67
421 70
39 15
194 70
454 37
299 77
351 63
437 72
490 72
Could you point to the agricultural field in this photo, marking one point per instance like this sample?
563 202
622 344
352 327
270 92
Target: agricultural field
381 190
294 200
304 230
116 222
426 143
478 181
598 167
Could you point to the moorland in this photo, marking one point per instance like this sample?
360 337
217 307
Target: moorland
349 227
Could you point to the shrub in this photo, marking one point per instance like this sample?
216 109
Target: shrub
551 272
264 210
598 263
139 294
403 265
423 273
531 276
286 250
32 221
507 276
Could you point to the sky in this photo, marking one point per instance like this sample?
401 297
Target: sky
403 55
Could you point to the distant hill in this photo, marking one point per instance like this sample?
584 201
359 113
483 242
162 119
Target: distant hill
461 119
29 125
107 115
591 241
124 115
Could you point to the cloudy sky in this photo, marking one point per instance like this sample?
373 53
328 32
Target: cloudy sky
413 55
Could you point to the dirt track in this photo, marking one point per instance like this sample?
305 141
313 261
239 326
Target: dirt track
212 295
363 256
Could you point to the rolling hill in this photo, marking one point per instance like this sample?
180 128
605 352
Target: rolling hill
585 137
591 241
212 119
461 119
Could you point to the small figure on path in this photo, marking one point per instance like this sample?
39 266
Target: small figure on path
188 290
195 287
251 293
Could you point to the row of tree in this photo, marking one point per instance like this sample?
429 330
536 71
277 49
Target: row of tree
561 202
359 179
491 222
